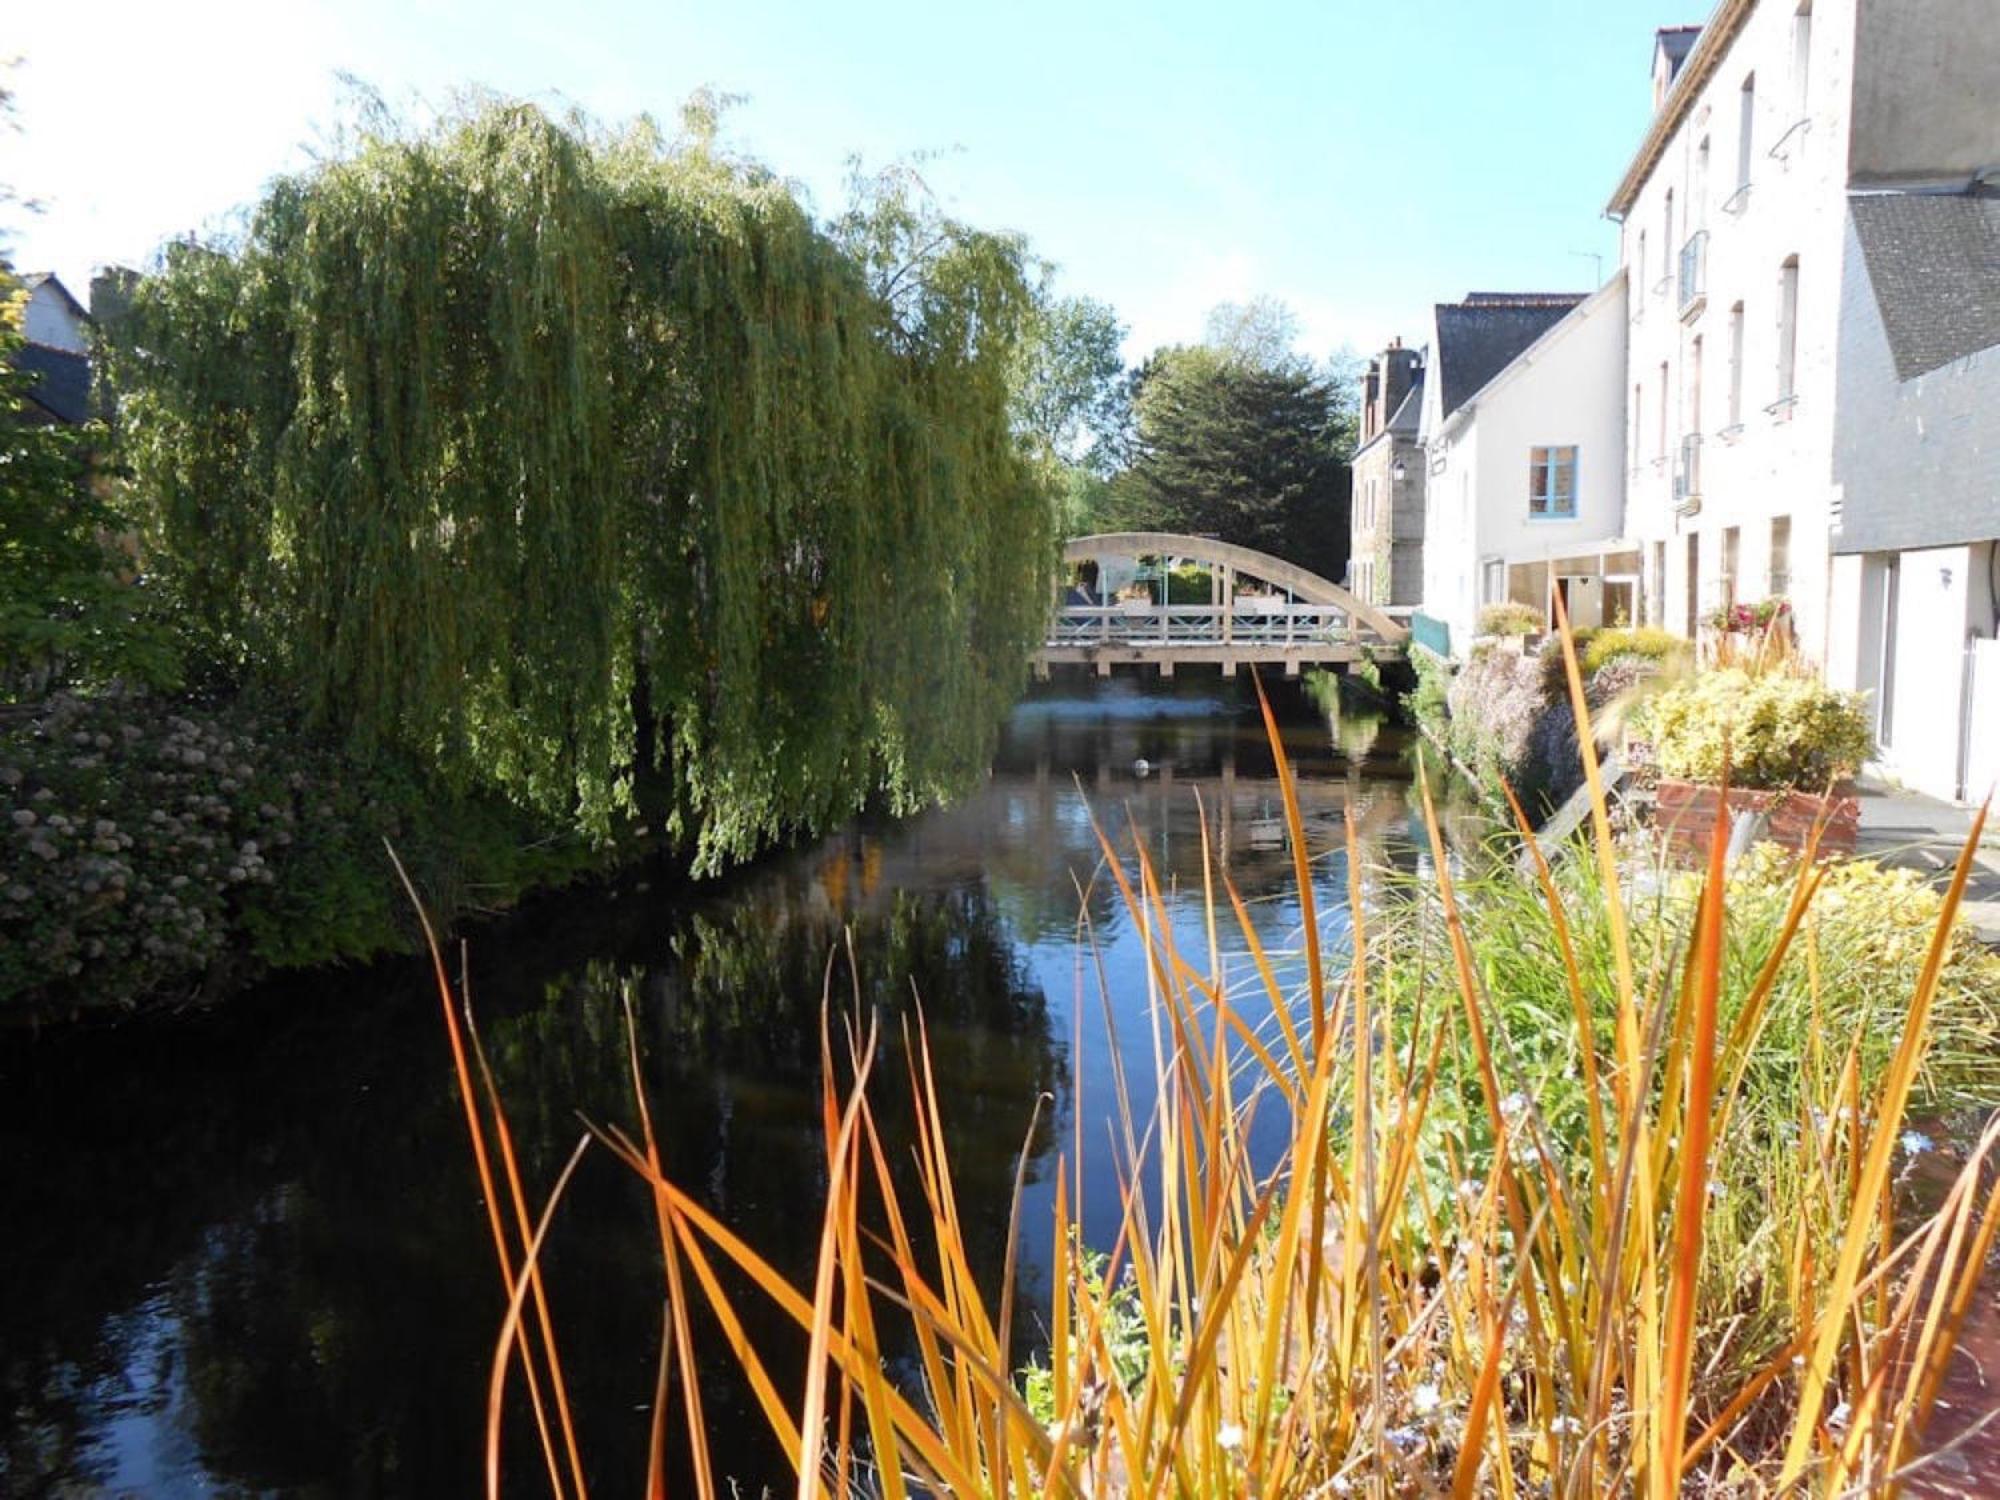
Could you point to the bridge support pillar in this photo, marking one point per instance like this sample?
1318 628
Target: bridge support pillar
1103 666
1291 666
1229 666
1166 667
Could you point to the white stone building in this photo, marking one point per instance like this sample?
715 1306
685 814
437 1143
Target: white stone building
1916 536
1734 214
1523 431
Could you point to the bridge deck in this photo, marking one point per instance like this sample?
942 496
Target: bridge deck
1251 631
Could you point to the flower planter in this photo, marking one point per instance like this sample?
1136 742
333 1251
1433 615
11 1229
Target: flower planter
1688 811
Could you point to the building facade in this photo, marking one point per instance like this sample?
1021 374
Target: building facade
1386 554
1916 479
57 352
1734 223
1522 429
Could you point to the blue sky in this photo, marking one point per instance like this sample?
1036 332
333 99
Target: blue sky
1361 161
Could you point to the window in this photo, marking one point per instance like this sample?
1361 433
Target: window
1656 585
1638 422
1801 58
1660 453
1746 132
1788 329
1691 417
1639 259
1736 365
1691 583
1698 192
1732 546
1667 239
1552 484
1781 556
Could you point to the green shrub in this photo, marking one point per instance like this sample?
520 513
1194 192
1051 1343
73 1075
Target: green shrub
157 851
1511 619
1427 703
1773 731
1644 641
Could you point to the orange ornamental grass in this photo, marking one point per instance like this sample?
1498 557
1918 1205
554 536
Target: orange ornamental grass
1338 1324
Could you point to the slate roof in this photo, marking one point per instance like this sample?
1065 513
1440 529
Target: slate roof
1934 262
1677 42
1477 338
1403 422
63 391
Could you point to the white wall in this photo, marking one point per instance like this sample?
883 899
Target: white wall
1772 461
1943 600
1451 560
1562 392
51 321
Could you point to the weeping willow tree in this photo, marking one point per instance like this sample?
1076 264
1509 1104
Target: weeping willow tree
482 434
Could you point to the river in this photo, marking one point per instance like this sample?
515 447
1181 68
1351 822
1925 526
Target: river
244 1252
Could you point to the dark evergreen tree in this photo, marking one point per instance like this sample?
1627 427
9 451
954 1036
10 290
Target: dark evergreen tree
1250 452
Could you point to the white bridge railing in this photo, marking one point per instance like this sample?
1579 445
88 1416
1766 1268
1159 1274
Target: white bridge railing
1247 623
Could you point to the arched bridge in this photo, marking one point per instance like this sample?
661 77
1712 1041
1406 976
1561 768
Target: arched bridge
1159 599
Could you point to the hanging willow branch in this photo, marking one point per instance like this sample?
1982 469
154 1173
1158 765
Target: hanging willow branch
480 429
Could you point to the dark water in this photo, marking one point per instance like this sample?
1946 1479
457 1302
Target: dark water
244 1254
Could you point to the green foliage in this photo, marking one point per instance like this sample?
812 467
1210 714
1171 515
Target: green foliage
1069 396
1870 930
1428 703
1511 618
1646 642
154 850
1771 731
481 434
72 611
1238 450
1127 1346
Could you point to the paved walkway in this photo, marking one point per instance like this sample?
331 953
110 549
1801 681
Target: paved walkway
1915 832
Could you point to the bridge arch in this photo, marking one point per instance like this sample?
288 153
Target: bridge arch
1303 583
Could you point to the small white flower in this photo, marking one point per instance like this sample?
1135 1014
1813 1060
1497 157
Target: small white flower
1916 1143
1425 1399
1514 1104
1839 1415
1229 1437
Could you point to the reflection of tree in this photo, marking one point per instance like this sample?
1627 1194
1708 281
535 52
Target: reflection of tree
333 1307
294 1174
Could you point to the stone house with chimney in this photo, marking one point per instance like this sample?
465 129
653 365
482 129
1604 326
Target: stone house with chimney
1387 508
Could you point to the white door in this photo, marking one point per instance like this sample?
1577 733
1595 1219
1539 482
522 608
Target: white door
1982 742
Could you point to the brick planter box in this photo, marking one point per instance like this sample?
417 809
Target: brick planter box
1687 813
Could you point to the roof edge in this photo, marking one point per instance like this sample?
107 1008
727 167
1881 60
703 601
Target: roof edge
1720 31
1548 335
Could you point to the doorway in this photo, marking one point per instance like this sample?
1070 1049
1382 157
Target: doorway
1885 699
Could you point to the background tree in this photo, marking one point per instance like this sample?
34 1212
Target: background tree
1244 439
1262 332
70 608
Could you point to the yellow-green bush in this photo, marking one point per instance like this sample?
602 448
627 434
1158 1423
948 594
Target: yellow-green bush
1771 731
1510 619
1644 641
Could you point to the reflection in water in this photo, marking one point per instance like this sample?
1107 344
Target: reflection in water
244 1252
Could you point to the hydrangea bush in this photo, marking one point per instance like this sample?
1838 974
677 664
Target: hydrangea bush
160 852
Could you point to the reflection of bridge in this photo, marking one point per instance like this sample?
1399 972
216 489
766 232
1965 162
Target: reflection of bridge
1135 597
